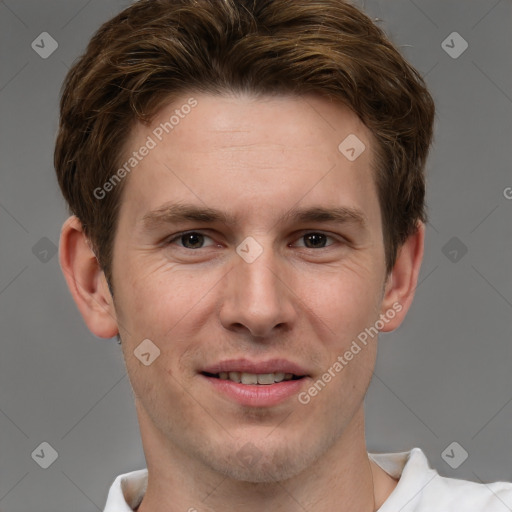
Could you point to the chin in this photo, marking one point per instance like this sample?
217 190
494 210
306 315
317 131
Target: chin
265 463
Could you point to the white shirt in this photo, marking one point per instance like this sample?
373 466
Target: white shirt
419 489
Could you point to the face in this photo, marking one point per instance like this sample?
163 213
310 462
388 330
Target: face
248 242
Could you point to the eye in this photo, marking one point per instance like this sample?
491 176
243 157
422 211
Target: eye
315 240
190 240
194 240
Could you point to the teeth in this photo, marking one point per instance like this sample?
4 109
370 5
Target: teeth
252 378
266 378
249 378
234 376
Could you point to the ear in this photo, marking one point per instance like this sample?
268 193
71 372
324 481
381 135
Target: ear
402 281
86 281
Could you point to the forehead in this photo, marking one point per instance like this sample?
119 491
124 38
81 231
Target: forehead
231 120
228 149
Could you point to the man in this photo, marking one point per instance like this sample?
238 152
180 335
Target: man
247 194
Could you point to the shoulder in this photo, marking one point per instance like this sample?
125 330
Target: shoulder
464 495
421 489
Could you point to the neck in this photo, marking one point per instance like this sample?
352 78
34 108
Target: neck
342 478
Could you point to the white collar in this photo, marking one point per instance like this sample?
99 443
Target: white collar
128 489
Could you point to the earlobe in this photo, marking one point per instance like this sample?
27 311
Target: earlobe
403 279
86 281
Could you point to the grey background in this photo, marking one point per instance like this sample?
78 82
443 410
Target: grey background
443 376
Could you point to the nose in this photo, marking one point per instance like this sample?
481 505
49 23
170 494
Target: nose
257 299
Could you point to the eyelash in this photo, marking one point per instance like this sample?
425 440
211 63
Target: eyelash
178 236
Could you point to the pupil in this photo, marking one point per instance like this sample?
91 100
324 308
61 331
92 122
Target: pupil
192 239
317 239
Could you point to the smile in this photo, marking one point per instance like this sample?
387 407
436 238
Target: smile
254 378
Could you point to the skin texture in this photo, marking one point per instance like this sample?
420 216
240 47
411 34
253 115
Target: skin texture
255 159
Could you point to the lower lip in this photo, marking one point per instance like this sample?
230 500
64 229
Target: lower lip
257 395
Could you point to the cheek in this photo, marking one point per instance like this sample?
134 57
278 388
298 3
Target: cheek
347 298
153 297
160 393
349 308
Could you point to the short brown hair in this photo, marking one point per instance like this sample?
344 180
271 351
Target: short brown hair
157 49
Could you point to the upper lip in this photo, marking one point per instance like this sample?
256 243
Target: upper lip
258 367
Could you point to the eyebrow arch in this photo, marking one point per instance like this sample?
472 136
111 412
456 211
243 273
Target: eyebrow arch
174 213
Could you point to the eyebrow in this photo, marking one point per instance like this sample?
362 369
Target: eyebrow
175 213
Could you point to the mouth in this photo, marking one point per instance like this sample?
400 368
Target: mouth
262 379
256 383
